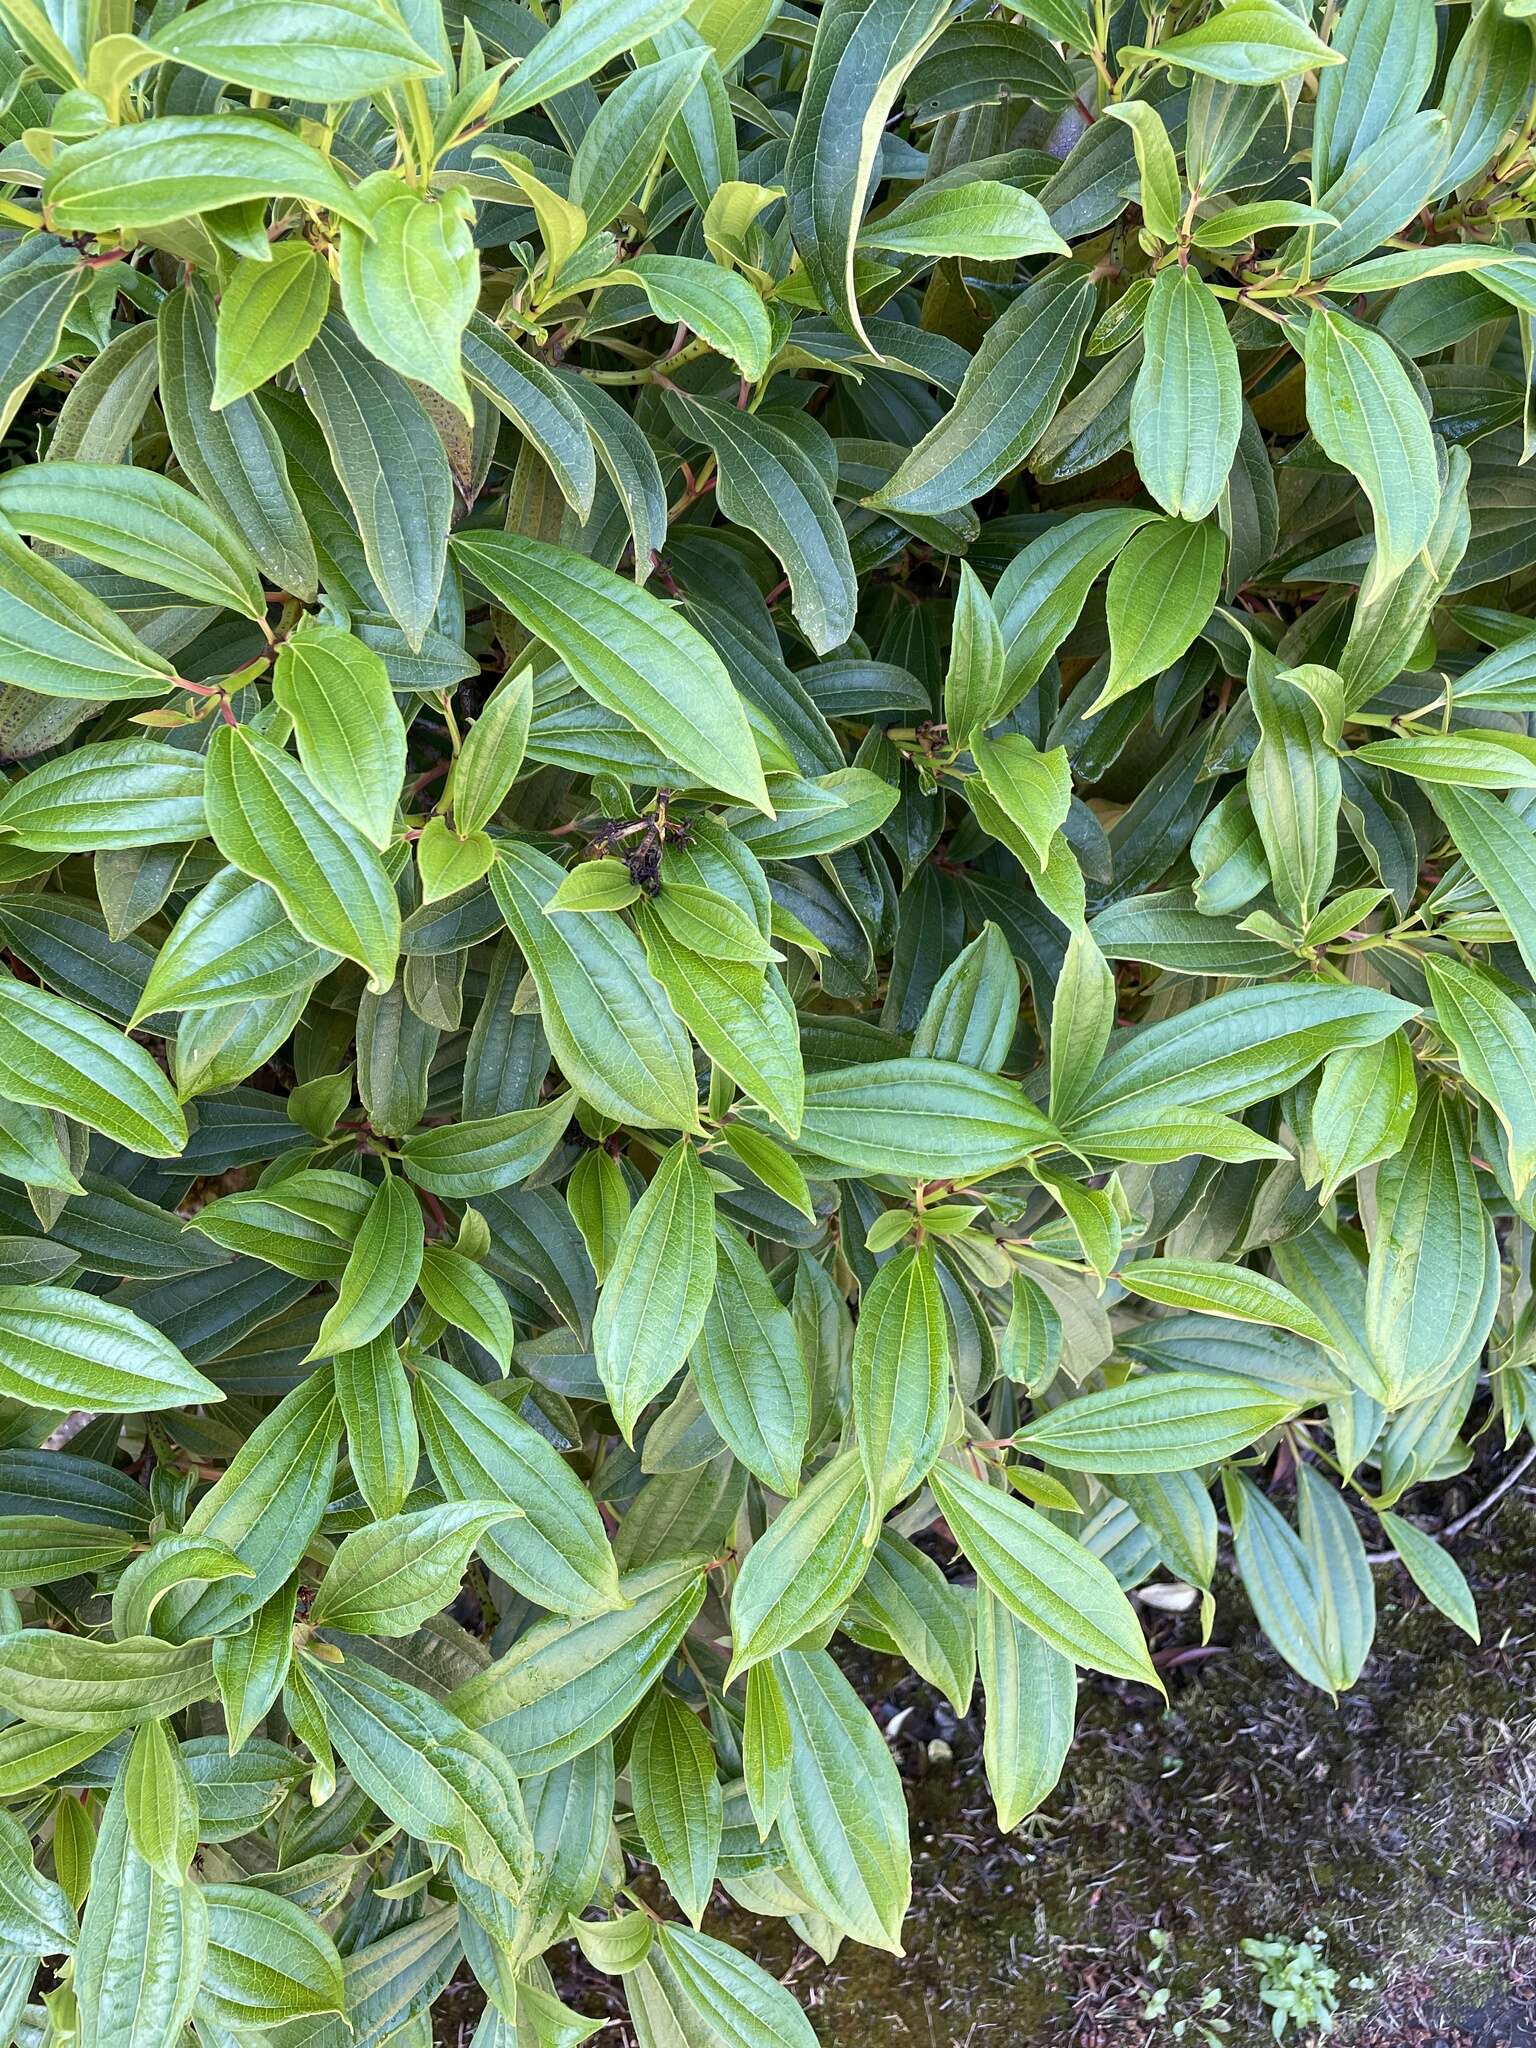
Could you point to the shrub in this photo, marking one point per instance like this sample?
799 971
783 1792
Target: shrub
579 602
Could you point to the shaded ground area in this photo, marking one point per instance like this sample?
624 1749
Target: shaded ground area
1401 1824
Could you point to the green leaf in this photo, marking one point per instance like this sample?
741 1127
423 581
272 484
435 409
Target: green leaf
583 41
919 1119
1163 1422
1187 406
1219 1290
160 1802
1249 42
983 219
1278 1579
265 1508
548 411
1432 1282
36 1919
61 641
566 1684
1363 1107
232 457
768 484
740 1014
973 681
618 642
1434 1571
392 466
433 1776
653 1303
170 1561
333 50
900 1372
487 1153
1496 843
137 523
906 1607
691 1981
62 1349
268 1960
143 1945
106 797
1239 1048
1028 791
554 1549
1047 1579
383 1449
61 1681
626 136
38 1549
1162 590
381 1271
862 54
409 284
1495 1043
1005 402
389 1578
843 1822
608 1023
350 733
1161 191
799 1575
269 820
1342 1572
1368 418
232 944
1294 789
1031 1696
1040 595
678 1805
1469 759
58 1056
269 313
159 170
36 307
747 1367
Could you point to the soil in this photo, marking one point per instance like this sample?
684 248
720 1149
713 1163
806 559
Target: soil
1399 1824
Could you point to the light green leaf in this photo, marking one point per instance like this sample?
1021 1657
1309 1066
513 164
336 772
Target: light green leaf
269 1961
349 729
1049 1580
618 643
1186 411
862 54
381 1271
653 1302
409 284
1162 1422
1368 418
269 313
981 218
326 50
153 171
390 1577
900 1371
268 819
139 524
678 1805
607 1020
